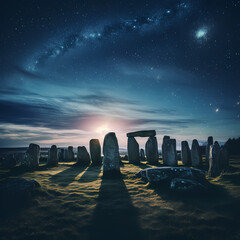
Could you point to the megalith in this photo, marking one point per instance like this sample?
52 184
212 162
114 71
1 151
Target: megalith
95 151
133 150
111 161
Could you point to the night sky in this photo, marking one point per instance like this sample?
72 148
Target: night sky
75 70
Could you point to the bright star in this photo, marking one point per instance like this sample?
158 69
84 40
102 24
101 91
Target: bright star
217 110
201 33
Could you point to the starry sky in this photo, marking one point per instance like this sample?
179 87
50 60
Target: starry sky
75 70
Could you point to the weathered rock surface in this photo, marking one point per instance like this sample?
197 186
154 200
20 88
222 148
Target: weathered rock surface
17 188
95 151
32 156
171 153
151 149
164 149
142 155
166 174
185 185
145 133
185 153
214 160
65 155
133 151
224 158
196 154
111 165
209 143
83 157
70 154
53 155
60 155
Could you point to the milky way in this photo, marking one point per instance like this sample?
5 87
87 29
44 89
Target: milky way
157 21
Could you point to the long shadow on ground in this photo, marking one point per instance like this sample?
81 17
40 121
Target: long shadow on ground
65 177
115 217
91 174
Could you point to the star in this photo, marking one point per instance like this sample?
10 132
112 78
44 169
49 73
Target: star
201 33
217 110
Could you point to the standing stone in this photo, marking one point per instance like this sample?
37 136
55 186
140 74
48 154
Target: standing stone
164 149
224 158
142 155
83 157
32 156
111 164
95 151
53 156
151 149
171 153
133 151
185 153
196 154
70 154
209 143
65 155
60 155
214 163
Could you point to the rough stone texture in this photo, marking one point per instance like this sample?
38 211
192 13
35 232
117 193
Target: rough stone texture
111 159
185 185
142 155
166 174
185 153
209 143
151 149
196 154
95 151
171 153
32 156
145 133
70 154
214 160
65 155
17 188
164 149
83 157
133 151
224 158
60 155
53 155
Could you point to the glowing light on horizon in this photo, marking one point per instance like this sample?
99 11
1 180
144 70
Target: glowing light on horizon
103 129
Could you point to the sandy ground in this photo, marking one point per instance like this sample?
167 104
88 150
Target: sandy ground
76 203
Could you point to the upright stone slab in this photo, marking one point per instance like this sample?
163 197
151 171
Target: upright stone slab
60 155
65 155
83 157
32 156
111 166
164 149
185 153
142 155
53 155
214 160
95 151
209 143
196 154
133 151
224 158
151 149
171 153
70 154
